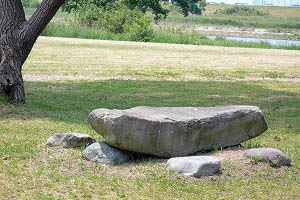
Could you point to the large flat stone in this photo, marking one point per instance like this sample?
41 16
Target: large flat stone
177 131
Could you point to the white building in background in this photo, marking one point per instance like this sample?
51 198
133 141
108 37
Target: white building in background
257 2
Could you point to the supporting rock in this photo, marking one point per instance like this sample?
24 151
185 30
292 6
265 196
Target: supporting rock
102 153
195 166
70 140
270 155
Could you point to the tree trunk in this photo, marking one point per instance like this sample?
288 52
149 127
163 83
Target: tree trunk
17 37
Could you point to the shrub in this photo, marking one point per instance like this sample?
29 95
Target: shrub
241 10
141 29
117 18
31 3
89 14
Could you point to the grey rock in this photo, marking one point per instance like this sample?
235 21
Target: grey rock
273 156
195 166
177 131
102 153
70 140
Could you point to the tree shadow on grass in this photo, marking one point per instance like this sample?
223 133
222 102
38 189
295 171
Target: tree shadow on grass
72 101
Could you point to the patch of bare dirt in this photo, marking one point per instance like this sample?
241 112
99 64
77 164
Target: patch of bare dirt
45 78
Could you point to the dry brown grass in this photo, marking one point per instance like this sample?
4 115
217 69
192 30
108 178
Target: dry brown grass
80 59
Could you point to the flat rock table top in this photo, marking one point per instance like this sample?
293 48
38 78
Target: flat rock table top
177 131
176 113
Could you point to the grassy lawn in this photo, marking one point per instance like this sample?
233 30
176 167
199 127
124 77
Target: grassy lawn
94 59
67 78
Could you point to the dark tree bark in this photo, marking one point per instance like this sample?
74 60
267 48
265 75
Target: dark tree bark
17 37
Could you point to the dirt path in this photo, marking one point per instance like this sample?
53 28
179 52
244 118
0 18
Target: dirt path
41 78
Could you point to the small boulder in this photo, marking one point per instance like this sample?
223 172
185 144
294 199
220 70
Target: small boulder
195 166
273 156
70 140
102 153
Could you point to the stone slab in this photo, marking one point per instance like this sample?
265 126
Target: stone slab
177 131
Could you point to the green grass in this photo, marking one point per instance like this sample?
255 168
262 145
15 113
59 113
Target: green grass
61 103
174 36
33 172
196 38
276 11
241 11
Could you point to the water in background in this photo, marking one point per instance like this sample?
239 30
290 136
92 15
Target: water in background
276 42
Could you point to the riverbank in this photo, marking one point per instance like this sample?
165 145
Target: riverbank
174 36
279 23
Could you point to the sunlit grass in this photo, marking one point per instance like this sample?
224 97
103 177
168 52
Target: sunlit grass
61 58
65 81
29 170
